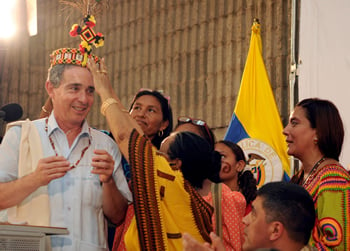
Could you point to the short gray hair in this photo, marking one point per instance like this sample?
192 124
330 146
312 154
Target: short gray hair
56 72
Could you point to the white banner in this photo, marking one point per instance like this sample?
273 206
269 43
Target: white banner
324 58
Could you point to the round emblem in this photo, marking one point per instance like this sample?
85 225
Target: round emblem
330 231
262 161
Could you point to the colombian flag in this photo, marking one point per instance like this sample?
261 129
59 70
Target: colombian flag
256 124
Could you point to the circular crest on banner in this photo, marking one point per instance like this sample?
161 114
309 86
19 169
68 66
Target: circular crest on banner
262 161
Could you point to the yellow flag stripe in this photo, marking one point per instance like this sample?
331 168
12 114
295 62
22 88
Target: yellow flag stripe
256 106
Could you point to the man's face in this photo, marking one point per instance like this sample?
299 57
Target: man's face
256 228
73 99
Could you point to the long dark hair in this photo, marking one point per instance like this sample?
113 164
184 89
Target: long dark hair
199 160
246 182
166 111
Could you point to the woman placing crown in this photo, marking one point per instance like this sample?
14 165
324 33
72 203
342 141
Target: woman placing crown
165 203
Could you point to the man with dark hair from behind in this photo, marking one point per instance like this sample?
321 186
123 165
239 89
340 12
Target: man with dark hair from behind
282 218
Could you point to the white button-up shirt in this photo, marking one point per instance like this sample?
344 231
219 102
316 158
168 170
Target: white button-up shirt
76 198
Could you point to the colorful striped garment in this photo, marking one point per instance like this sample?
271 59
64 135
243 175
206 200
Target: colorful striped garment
165 204
330 189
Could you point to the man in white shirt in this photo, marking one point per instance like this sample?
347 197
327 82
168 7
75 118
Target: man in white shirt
73 173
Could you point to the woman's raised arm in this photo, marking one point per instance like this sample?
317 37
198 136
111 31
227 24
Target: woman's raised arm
120 122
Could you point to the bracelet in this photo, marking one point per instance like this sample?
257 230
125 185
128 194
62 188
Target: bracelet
44 110
106 104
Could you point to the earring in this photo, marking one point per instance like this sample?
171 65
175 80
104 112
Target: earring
160 133
316 141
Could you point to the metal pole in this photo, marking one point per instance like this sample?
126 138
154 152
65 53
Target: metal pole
293 70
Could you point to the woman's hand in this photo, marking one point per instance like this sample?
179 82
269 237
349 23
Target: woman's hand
102 83
190 244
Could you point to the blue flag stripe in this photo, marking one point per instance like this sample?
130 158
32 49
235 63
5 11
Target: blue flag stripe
235 131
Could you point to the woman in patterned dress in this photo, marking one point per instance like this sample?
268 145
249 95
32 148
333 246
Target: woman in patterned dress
165 199
315 136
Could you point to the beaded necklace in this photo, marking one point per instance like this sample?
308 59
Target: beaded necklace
54 147
313 169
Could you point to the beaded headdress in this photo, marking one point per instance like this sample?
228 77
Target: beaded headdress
89 38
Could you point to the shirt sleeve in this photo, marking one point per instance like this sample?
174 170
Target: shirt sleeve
333 210
9 152
118 174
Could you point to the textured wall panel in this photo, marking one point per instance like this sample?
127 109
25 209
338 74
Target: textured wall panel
193 50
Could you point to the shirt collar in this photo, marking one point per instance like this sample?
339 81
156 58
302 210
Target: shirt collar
53 126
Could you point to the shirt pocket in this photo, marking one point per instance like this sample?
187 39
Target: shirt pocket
90 187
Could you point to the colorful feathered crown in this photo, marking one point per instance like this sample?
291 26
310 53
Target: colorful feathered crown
89 38
70 56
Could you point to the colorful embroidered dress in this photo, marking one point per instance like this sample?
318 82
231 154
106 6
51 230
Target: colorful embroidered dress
233 206
165 204
330 190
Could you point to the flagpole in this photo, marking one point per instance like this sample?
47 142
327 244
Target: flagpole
255 105
293 71
216 190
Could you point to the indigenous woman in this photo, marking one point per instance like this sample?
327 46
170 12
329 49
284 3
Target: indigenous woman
152 112
165 202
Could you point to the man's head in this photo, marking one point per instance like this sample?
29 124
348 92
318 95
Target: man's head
70 86
71 89
282 216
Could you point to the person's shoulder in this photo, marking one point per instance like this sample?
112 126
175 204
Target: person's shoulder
17 125
107 133
332 176
334 169
102 135
235 196
99 132
39 122
227 190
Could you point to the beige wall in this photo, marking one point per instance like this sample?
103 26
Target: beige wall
194 50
